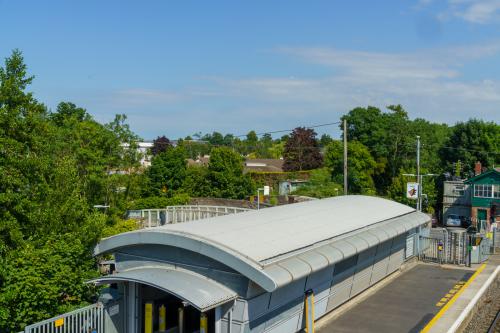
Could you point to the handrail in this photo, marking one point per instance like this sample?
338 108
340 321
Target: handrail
177 214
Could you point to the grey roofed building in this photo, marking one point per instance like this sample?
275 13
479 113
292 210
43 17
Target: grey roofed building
253 268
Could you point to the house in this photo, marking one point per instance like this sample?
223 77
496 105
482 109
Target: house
263 165
456 198
485 196
143 148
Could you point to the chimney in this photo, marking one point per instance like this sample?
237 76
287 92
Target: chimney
477 168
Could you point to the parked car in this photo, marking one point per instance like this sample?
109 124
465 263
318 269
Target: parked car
453 220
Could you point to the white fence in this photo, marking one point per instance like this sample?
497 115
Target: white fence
179 214
89 319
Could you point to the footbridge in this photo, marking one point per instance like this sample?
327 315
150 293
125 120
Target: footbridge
178 214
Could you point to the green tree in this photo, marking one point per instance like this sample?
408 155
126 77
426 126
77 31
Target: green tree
472 141
225 173
361 166
167 172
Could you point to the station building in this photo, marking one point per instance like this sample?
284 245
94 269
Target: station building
254 271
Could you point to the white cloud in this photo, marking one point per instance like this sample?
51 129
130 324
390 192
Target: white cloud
472 11
478 11
426 82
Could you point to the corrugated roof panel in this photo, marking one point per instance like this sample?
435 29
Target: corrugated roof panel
359 243
201 292
314 259
369 238
280 275
346 248
332 254
379 233
296 267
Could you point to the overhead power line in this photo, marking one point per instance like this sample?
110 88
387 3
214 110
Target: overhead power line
291 130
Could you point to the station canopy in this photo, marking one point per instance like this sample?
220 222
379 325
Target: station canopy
275 246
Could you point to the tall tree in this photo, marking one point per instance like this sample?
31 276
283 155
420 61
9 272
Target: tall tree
302 151
472 141
361 166
225 172
167 172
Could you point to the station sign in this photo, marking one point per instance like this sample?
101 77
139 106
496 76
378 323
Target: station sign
412 190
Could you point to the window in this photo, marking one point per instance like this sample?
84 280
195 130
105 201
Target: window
496 191
483 190
459 190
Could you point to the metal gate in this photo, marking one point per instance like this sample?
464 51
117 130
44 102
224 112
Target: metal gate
89 319
432 250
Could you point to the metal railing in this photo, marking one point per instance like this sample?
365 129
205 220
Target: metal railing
89 319
179 214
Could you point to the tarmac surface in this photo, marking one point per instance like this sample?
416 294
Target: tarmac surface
405 304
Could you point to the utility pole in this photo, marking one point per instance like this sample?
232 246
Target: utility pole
419 180
345 156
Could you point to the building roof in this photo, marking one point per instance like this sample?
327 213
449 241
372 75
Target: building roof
264 165
275 246
481 175
204 294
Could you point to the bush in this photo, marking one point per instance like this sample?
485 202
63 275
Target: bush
159 202
121 226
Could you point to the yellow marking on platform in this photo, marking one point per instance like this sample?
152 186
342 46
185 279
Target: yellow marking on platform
460 282
450 303
453 291
444 299
457 286
448 295
440 304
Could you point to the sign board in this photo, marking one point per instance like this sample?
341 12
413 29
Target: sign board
266 190
412 191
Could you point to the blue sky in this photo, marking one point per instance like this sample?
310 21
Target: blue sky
180 67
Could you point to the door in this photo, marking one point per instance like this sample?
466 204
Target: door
481 214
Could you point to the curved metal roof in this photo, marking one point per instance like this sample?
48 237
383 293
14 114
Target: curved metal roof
204 294
275 246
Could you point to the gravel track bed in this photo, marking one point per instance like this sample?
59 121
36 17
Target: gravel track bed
487 311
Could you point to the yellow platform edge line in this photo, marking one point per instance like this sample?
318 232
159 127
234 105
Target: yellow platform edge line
447 305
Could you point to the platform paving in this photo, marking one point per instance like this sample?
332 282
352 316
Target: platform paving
406 304
443 321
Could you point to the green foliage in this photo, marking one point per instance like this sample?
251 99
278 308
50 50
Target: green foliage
225 175
472 141
360 163
119 227
41 280
54 168
167 172
197 182
321 185
159 202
